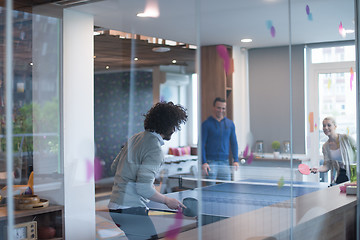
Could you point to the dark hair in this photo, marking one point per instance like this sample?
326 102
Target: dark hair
163 117
218 99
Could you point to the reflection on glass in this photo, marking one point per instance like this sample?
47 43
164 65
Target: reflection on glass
333 54
259 148
337 95
36 141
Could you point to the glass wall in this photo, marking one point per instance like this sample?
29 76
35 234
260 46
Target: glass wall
250 165
37 174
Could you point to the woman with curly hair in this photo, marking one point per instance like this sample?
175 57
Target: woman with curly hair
136 167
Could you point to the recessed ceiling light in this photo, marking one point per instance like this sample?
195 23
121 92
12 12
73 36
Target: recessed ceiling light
107 67
161 49
135 59
31 64
149 13
173 61
246 40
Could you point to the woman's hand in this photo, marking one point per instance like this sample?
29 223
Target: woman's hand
173 203
314 170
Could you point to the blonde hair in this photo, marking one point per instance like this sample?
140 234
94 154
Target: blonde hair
331 119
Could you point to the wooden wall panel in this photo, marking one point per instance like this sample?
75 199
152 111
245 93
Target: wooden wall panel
214 81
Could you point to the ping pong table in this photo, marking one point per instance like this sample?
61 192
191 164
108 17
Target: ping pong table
230 199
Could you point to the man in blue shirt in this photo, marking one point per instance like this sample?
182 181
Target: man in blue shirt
218 134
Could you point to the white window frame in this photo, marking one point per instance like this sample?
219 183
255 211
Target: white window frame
311 102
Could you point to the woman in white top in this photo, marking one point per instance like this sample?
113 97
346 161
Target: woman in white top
339 152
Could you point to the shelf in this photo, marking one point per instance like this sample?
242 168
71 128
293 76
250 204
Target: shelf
52 215
25 213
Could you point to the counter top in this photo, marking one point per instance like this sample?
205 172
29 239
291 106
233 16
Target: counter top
283 157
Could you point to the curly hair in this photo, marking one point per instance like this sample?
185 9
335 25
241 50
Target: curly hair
164 117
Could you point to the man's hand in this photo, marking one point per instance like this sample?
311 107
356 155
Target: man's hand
236 165
173 203
206 168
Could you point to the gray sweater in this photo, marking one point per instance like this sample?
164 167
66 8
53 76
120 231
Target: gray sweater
136 167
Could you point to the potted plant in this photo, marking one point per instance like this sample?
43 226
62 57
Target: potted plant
275 145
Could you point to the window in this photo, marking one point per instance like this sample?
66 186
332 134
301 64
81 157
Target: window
330 91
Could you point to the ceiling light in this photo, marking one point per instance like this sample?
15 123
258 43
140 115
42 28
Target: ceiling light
135 59
31 64
107 67
151 9
246 40
96 33
173 61
161 49
149 13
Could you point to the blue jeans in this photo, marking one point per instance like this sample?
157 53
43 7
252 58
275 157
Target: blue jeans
219 170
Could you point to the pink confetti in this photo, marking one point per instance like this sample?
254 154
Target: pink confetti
97 169
174 229
246 150
223 53
307 9
89 170
342 30
250 159
272 31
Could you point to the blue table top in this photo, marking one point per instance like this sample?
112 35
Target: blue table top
231 199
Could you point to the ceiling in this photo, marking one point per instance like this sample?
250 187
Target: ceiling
204 22
211 22
116 54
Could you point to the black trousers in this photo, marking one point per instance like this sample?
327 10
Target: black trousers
135 223
342 177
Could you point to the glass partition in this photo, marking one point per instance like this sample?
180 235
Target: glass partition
329 93
38 194
254 160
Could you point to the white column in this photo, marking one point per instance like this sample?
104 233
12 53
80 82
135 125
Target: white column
241 100
78 124
241 97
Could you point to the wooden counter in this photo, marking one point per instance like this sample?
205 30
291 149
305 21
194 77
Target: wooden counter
326 214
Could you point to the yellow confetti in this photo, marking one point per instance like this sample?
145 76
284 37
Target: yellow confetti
329 84
281 182
347 131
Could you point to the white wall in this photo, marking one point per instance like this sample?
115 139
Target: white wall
78 116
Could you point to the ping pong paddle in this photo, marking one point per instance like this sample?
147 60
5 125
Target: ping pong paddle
191 207
304 169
